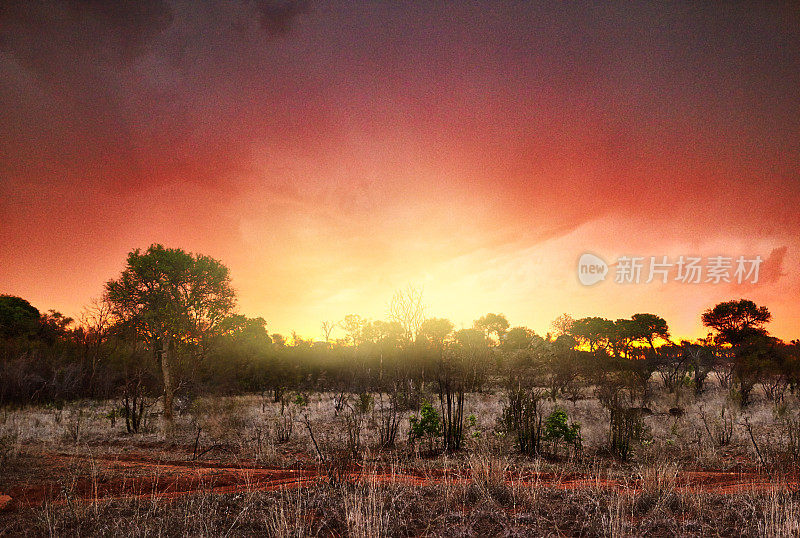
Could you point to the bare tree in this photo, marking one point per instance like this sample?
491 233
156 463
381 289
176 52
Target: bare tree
95 327
327 328
96 317
353 325
562 325
408 309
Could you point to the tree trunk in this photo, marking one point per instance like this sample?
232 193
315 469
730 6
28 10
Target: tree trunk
166 372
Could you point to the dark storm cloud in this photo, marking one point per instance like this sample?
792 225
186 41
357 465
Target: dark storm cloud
120 29
134 22
134 94
277 17
64 88
143 93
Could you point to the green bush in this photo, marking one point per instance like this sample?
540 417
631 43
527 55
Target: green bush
472 427
428 424
557 430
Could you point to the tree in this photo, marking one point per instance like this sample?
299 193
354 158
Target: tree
518 338
562 324
736 321
53 326
701 358
408 310
593 331
172 298
388 334
353 325
496 324
741 324
564 342
435 331
648 327
243 329
17 317
327 329
278 339
471 339
94 333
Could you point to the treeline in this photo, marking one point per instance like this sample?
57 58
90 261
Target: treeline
48 357
167 327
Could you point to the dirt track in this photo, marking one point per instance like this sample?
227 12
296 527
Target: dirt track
131 476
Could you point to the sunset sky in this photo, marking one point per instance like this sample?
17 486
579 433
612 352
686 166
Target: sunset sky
331 153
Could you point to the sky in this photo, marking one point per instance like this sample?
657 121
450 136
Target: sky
330 153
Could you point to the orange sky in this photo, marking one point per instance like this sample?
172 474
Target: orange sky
330 153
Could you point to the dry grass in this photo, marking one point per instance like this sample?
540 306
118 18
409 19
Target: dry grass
501 493
372 508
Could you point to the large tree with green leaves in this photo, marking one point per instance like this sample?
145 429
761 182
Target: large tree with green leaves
172 298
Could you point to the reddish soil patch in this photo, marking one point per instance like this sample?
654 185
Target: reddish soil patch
131 476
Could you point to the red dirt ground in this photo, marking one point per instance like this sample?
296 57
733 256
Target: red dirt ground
130 476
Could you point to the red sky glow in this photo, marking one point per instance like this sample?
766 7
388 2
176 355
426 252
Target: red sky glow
330 153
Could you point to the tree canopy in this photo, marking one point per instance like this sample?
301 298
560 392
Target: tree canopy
170 292
737 321
435 331
496 324
17 317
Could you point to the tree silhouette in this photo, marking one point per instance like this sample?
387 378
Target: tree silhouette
496 324
736 321
435 331
17 317
648 327
594 332
562 324
518 338
408 310
741 324
327 329
353 325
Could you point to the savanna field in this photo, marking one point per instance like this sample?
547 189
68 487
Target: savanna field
404 427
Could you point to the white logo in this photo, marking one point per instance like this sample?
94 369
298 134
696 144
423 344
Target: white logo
591 269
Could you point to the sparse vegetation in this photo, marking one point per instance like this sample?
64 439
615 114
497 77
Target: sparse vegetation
494 418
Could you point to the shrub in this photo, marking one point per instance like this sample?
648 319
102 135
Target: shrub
364 403
523 417
557 431
472 427
9 446
428 424
627 428
720 430
283 427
